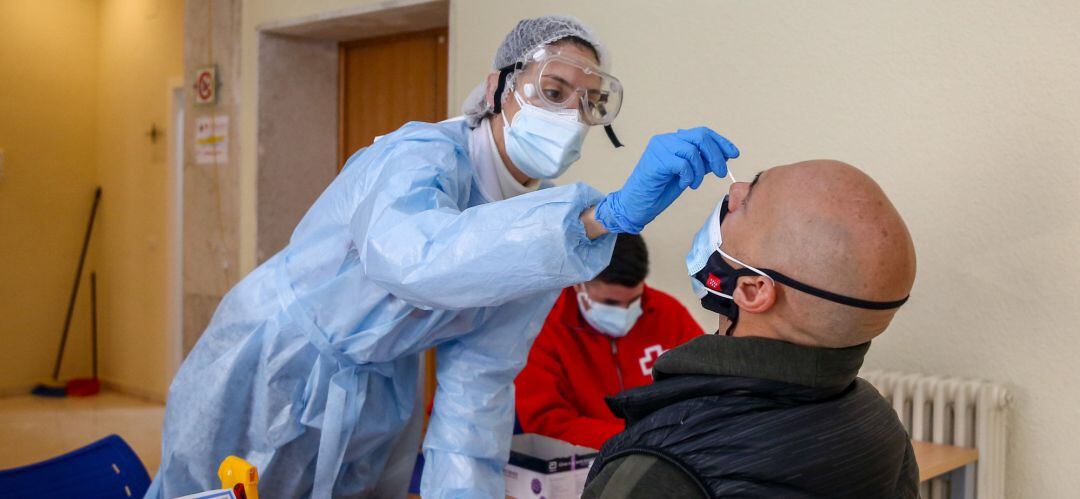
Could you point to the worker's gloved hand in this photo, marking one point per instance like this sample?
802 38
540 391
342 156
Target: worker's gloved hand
671 163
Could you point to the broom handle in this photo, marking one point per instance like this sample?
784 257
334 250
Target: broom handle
93 319
75 288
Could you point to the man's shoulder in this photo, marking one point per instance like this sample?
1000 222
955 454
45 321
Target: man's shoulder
642 476
869 404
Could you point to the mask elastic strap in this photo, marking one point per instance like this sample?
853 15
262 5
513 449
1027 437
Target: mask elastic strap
818 292
717 293
736 260
837 298
521 104
583 299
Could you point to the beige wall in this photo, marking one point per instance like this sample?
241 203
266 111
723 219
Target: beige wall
48 113
140 58
966 112
211 189
82 83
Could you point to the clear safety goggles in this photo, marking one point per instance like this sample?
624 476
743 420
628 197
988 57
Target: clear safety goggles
552 80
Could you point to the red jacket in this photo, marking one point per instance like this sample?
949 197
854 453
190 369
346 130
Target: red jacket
572 367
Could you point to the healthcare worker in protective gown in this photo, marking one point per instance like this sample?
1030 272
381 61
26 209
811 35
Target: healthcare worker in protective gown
440 235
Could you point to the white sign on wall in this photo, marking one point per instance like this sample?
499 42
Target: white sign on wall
212 140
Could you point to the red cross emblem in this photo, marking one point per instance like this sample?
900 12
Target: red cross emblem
649 358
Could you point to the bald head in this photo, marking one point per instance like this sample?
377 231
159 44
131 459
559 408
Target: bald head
829 225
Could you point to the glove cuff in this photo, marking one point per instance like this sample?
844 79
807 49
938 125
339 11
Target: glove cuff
607 214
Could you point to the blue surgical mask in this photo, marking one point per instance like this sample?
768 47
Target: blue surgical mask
711 277
543 143
613 321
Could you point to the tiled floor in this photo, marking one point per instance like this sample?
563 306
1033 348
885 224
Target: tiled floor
33 429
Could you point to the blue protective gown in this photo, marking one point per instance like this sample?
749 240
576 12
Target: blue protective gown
309 366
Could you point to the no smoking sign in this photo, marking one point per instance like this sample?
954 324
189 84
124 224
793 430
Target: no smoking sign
205 86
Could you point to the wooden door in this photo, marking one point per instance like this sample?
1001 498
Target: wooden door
384 83
387 82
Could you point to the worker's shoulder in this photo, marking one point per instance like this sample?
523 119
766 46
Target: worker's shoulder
642 476
436 148
447 134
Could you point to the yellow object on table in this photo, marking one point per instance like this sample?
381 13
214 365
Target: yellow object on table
234 470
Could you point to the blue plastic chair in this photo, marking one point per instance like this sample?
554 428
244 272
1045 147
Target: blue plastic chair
106 469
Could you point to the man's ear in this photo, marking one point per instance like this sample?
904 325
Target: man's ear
492 84
756 294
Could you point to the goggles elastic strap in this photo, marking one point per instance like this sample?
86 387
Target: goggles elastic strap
504 73
611 136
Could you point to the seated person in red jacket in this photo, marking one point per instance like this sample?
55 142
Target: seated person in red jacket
600 338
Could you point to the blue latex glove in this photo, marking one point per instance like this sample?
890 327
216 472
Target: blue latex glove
671 163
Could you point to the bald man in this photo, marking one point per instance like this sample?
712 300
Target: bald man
804 265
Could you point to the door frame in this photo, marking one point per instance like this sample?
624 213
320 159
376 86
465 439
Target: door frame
174 131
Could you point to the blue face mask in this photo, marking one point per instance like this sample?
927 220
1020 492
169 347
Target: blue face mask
542 143
609 319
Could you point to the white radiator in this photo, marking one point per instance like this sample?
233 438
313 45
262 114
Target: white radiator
953 411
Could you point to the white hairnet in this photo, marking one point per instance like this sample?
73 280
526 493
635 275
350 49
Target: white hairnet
528 35
537 32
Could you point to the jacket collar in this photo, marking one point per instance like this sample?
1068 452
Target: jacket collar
724 366
762 358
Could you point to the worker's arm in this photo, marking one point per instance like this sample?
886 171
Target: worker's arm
468 437
593 227
417 242
543 405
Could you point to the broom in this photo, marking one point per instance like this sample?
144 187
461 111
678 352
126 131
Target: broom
85 387
53 387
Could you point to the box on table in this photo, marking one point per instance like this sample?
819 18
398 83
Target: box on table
546 467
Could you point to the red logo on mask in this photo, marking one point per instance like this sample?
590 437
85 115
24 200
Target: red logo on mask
714 282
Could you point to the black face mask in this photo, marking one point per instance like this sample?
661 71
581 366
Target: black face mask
719 276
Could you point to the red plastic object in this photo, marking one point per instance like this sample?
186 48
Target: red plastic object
83 387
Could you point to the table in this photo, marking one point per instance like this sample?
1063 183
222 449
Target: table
958 463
